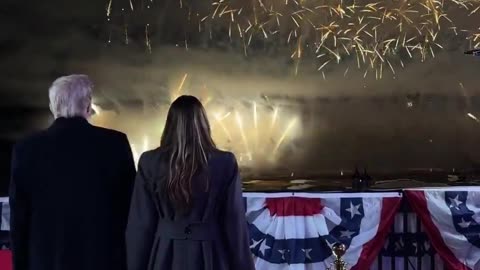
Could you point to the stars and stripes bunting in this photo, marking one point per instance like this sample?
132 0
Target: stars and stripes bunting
297 231
451 217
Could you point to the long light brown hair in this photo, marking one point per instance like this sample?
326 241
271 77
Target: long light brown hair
188 142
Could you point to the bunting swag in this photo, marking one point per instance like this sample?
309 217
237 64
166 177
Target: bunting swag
297 231
5 256
4 216
451 217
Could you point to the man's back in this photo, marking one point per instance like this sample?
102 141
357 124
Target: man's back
70 193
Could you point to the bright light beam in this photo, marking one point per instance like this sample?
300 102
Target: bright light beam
242 133
284 135
222 125
176 94
473 117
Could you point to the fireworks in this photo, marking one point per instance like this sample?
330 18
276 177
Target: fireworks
96 109
473 117
148 43
109 8
284 135
248 139
258 132
179 89
375 33
371 35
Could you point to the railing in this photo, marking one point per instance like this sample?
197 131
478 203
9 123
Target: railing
407 246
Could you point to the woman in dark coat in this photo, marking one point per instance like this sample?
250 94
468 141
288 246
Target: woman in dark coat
187 210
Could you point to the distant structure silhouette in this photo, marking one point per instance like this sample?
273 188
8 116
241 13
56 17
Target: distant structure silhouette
474 52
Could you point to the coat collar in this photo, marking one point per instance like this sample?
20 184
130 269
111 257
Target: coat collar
76 121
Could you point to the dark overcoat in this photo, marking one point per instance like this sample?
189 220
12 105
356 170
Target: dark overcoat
70 194
211 236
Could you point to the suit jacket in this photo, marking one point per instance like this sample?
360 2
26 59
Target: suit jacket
213 235
70 192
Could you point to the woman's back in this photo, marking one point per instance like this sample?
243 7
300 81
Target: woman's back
211 235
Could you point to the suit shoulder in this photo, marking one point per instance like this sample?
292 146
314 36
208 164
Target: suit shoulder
150 160
225 157
31 141
110 132
147 155
154 154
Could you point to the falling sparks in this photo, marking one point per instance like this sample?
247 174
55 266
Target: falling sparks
287 131
274 117
242 132
375 34
219 120
179 89
257 130
255 123
360 30
474 11
109 8
255 115
147 38
126 34
473 117
324 64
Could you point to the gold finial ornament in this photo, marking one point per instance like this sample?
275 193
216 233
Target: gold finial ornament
338 251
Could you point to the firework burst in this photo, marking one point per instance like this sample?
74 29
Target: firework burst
373 36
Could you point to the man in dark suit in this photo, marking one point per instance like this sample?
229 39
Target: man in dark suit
70 188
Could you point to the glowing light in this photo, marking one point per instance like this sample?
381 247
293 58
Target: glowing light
473 117
255 134
109 8
179 89
255 123
274 117
242 132
96 109
284 135
148 44
335 28
219 119
255 115
136 155
373 33
146 143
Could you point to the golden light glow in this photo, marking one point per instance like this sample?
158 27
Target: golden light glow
253 130
284 135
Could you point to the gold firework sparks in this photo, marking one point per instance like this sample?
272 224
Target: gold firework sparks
255 123
109 8
373 33
219 120
126 34
148 44
473 117
179 89
242 132
274 117
284 135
